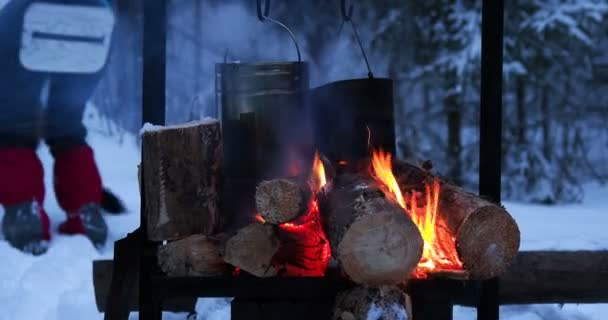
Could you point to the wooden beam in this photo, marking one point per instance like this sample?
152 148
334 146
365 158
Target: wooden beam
102 276
556 277
534 277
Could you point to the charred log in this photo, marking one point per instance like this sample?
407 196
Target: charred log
384 302
487 237
372 238
304 250
181 168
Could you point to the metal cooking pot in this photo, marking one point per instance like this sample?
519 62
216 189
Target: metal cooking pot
350 116
259 104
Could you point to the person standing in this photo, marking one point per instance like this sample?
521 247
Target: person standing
52 56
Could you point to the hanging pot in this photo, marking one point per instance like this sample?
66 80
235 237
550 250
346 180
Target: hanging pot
351 116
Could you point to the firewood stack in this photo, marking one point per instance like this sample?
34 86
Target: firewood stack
301 223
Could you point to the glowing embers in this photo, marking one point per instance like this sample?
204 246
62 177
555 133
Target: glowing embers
304 249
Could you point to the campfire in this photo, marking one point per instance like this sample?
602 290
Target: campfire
375 220
439 251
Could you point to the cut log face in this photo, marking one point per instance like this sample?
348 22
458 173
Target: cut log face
181 171
252 249
193 256
373 238
281 200
487 237
384 302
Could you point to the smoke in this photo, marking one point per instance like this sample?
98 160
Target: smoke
230 31
3 3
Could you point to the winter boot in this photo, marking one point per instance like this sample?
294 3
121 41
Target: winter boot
88 221
79 193
25 225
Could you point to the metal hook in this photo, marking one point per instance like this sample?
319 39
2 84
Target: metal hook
347 16
264 15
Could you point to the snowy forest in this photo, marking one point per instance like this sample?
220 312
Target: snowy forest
555 128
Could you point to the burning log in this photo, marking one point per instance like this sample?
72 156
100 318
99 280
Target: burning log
372 238
384 302
252 249
281 200
486 236
181 168
304 250
192 256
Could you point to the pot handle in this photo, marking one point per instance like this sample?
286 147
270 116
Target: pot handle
264 15
347 16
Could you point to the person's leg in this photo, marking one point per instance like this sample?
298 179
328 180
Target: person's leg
25 225
77 180
20 89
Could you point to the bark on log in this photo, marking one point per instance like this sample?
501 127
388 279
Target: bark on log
192 256
252 249
373 238
487 237
281 200
384 302
181 168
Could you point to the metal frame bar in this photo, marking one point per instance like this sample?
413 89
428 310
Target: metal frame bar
153 111
490 129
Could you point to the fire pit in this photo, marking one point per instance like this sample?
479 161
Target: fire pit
411 212
380 220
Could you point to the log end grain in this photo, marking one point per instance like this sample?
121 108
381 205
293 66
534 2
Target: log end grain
193 256
252 249
384 302
181 172
280 200
380 248
487 242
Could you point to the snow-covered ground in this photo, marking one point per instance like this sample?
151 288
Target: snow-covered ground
58 285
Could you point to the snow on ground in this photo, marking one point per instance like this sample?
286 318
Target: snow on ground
58 285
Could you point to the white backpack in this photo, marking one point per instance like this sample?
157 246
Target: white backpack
66 38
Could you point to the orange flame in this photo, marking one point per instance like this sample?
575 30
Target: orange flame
317 179
383 171
439 252
259 218
305 233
